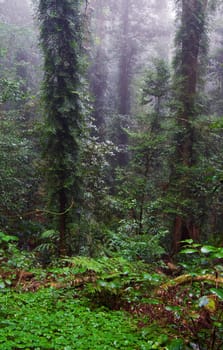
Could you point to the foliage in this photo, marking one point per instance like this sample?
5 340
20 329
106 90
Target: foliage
202 257
139 186
19 82
110 280
119 216
19 62
133 247
95 212
205 316
156 82
12 259
19 179
55 319
161 306
10 91
60 28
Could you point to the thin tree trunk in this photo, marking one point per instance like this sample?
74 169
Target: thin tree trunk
62 223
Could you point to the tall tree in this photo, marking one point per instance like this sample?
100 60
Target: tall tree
124 79
129 41
60 39
137 29
125 60
98 72
189 39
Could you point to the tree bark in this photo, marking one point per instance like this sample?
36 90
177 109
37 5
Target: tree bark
62 223
124 80
192 29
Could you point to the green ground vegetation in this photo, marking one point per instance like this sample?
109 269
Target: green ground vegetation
111 303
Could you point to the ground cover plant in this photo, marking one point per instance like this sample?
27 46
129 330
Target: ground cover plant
111 303
52 319
58 319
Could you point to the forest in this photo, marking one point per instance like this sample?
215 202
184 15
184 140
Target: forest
111 174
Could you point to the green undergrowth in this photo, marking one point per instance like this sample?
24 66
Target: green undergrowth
112 303
59 319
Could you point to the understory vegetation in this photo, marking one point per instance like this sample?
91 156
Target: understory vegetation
111 303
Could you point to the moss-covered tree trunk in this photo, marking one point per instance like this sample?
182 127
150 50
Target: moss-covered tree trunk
60 38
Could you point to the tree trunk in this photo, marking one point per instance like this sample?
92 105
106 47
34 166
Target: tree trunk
62 223
192 29
60 38
124 64
98 70
124 80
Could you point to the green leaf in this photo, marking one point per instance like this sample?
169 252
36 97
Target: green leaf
102 283
2 284
7 238
189 251
196 245
206 249
49 234
151 277
8 282
176 344
188 241
173 308
218 292
153 301
217 255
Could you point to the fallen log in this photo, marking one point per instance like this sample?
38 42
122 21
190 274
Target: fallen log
187 278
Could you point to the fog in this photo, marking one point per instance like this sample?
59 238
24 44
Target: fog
123 37
15 12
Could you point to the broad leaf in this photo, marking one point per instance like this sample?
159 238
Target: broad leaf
218 292
2 284
206 249
188 251
189 241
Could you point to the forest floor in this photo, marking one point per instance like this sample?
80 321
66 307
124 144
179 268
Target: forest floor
59 308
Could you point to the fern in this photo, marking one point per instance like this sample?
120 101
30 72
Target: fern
83 264
113 278
104 266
